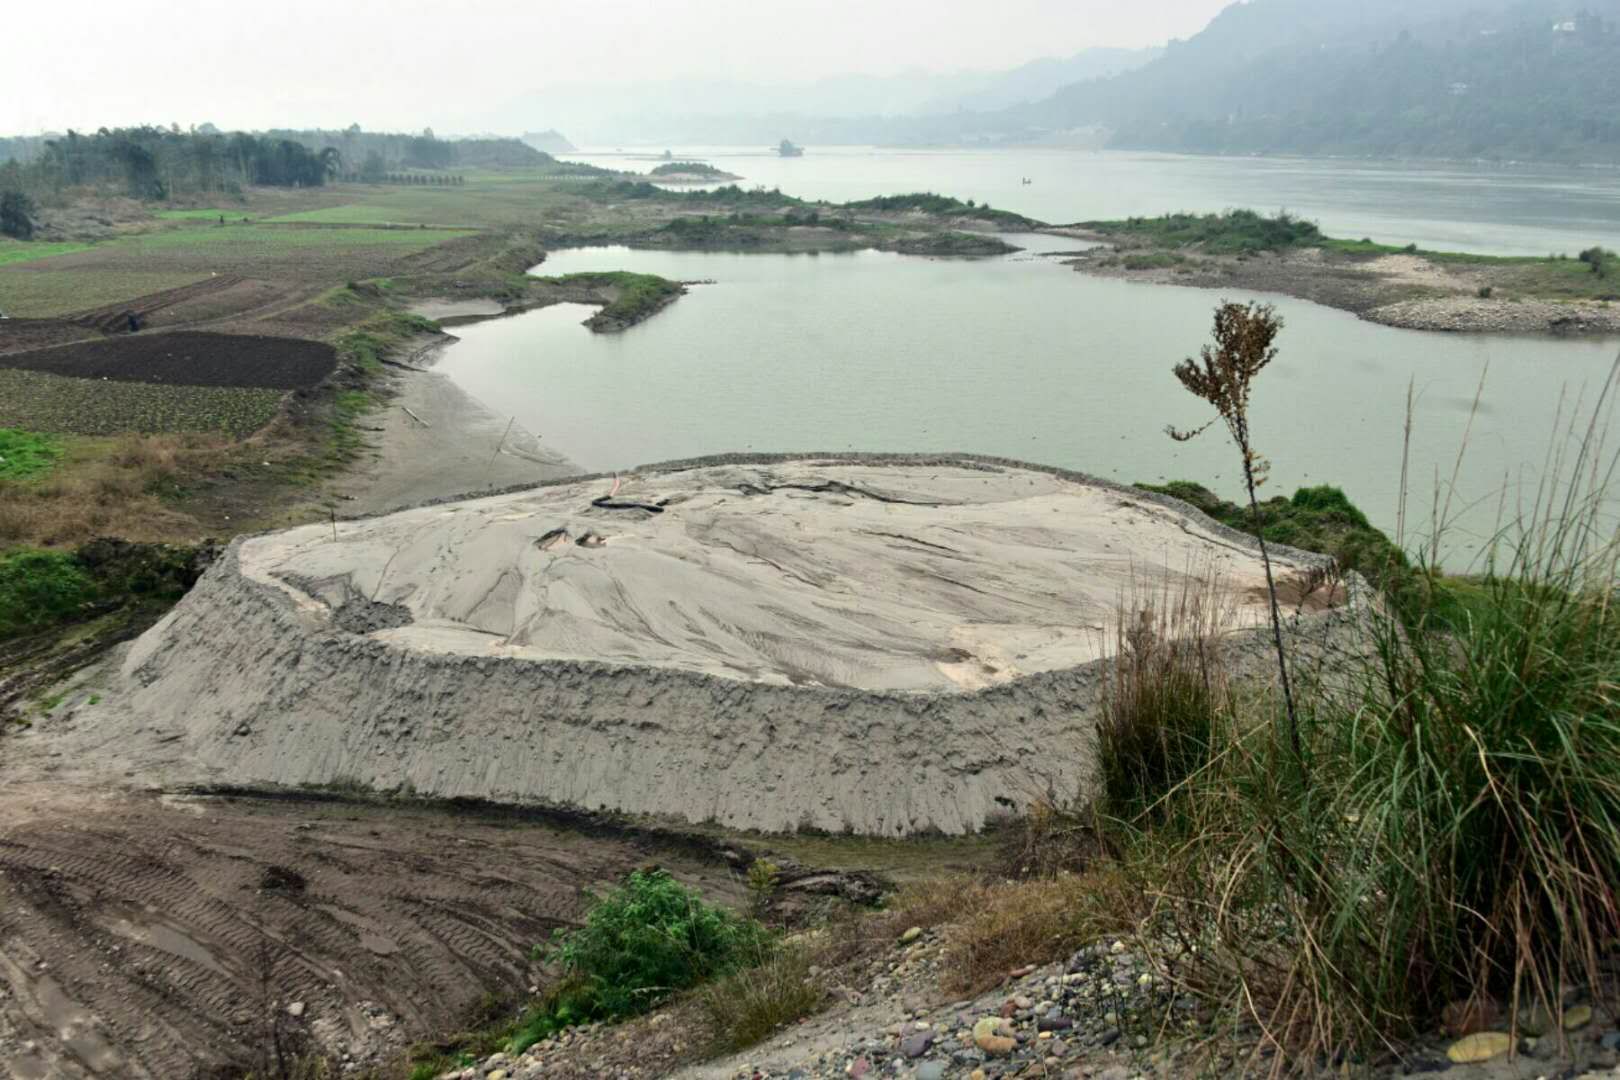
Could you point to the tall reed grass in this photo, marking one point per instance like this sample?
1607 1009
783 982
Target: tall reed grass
1445 837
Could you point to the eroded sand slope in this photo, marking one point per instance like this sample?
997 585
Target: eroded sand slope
884 647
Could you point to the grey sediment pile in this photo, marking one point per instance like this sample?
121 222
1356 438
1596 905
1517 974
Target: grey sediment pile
883 645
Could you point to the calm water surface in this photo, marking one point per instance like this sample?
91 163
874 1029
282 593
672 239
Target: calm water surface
1499 209
1016 356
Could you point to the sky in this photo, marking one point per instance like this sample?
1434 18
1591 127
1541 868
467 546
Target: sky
405 64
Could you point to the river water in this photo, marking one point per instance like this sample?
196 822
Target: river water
1022 357
1494 209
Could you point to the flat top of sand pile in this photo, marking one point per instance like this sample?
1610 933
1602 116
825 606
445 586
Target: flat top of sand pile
874 576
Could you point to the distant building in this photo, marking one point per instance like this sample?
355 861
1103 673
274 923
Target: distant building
1459 89
1564 27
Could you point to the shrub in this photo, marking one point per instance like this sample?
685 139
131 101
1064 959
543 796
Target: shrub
16 215
1485 292
1598 259
642 942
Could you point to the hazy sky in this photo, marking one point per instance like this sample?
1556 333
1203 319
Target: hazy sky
407 63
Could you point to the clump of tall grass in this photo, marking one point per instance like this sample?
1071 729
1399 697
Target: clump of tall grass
1447 830
1166 690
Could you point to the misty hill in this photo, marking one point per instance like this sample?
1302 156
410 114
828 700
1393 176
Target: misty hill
549 142
1500 79
851 108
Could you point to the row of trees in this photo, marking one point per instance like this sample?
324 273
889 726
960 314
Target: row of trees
155 163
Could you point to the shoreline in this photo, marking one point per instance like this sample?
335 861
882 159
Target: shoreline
1404 289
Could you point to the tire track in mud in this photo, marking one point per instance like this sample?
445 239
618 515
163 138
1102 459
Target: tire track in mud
141 938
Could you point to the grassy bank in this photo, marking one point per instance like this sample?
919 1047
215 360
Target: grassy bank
626 298
1174 240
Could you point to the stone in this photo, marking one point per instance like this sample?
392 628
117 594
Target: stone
495 1074
917 1045
931 1070
911 935
992 1036
1577 1017
1483 1046
1611 1041
296 1009
1054 1023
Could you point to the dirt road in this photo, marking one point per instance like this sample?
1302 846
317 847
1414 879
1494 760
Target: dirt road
149 936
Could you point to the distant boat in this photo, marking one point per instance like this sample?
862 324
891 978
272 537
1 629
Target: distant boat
787 149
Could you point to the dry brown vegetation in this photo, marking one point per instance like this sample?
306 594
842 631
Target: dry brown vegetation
994 928
107 487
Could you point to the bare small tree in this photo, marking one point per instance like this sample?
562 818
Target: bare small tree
1223 376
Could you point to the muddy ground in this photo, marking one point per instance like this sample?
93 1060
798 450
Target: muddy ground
150 936
187 358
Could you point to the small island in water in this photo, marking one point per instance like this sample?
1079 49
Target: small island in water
691 172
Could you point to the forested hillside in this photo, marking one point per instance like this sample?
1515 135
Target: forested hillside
1442 78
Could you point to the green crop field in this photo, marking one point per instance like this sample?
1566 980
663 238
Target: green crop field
41 294
352 214
17 251
269 241
235 214
38 402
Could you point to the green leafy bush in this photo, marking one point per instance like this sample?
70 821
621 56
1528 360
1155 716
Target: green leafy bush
641 943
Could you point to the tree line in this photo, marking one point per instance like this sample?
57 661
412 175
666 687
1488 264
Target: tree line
156 163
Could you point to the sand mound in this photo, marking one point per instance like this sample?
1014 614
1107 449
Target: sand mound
882 646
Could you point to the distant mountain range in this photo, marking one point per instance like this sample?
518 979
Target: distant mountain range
1533 80
853 108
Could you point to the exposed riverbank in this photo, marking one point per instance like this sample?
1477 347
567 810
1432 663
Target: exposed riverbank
1401 287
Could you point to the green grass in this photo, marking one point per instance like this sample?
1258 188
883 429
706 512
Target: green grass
42 291
25 454
40 587
53 403
1154 260
943 205
1236 232
1243 232
1319 519
254 240
357 214
235 214
637 295
13 252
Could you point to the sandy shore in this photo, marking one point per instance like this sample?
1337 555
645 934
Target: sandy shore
436 441
1406 291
